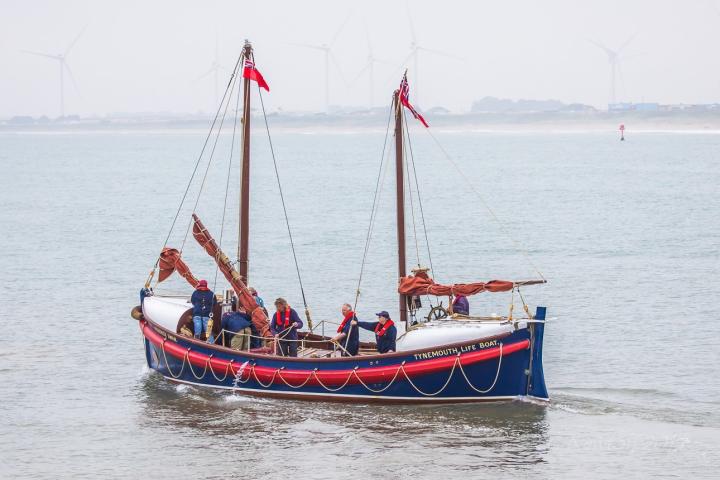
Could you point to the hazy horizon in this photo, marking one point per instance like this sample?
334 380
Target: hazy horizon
138 57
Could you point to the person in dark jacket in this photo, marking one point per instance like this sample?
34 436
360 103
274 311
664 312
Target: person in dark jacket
284 326
348 332
237 329
255 340
461 305
385 332
203 301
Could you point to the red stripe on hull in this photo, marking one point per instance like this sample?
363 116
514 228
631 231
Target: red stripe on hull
329 377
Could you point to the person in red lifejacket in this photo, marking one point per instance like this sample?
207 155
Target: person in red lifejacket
348 333
385 332
284 326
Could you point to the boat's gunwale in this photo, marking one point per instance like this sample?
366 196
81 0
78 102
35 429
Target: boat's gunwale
393 355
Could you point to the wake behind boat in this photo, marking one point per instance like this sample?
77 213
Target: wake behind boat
446 356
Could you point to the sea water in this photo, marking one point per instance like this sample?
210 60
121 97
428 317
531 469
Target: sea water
626 233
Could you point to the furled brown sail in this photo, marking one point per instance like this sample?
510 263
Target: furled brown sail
170 261
245 298
422 284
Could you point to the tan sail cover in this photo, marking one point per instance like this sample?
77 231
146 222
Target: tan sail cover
170 261
421 284
245 298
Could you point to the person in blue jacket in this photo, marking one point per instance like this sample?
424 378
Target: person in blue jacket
284 326
236 326
203 301
385 332
348 332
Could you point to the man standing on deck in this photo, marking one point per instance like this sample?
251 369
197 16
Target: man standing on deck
284 326
347 334
385 332
203 301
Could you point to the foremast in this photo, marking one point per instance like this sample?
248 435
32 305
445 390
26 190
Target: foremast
244 223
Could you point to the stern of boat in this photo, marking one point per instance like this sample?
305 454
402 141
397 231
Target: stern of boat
536 377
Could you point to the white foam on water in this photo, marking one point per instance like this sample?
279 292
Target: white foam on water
144 371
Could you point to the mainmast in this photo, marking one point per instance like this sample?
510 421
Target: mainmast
244 224
400 200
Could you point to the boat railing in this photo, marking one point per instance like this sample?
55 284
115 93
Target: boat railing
303 343
321 325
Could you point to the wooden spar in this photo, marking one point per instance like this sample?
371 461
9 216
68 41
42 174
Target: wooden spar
244 225
400 200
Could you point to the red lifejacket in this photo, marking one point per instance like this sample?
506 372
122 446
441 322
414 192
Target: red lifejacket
285 320
347 318
381 329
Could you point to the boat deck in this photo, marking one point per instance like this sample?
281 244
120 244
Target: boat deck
312 352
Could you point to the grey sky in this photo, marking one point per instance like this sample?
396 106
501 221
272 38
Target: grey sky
146 56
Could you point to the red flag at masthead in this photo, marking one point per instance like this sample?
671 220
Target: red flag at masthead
405 100
252 73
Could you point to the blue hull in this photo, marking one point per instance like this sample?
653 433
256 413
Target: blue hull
505 377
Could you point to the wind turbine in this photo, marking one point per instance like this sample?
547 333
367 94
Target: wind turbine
215 68
326 48
369 67
415 49
62 63
614 59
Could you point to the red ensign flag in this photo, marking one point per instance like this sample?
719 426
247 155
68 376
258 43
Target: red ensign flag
254 74
405 100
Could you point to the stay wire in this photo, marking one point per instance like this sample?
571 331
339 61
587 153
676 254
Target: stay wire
373 212
227 182
197 163
410 195
282 198
518 246
231 86
419 197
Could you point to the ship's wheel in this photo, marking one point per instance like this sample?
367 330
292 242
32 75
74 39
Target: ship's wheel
437 312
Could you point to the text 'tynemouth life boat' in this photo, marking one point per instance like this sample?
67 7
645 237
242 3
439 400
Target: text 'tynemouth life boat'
444 357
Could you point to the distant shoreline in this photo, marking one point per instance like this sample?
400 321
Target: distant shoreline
552 122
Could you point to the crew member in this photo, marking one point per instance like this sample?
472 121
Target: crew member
385 332
258 299
461 305
284 326
238 332
203 301
347 332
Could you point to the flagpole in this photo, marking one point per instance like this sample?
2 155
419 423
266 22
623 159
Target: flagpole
244 224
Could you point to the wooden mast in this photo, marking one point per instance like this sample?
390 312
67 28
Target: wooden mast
244 225
400 199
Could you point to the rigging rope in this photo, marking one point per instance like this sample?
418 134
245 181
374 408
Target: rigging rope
282 200
373 213
417 187
412 206
518 246
212 153
457 364
227 182
197 164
